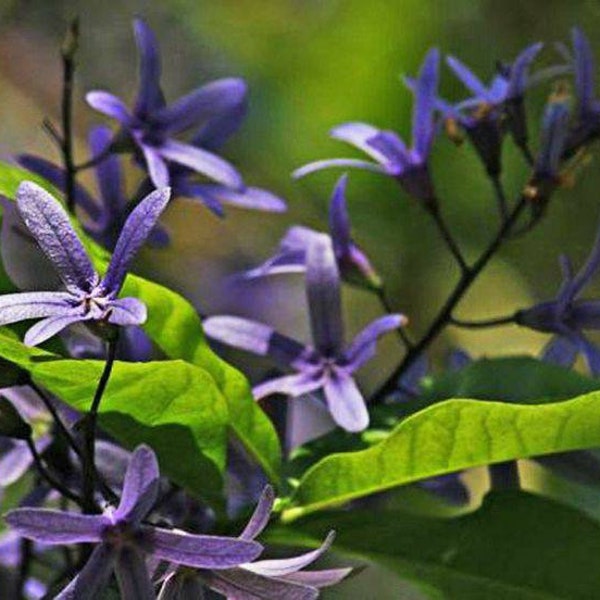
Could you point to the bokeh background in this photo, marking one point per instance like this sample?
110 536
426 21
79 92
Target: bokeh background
310 65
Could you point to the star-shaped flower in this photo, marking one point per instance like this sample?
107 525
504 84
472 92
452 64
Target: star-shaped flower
329 365
151 125
407 165
87 297
123 539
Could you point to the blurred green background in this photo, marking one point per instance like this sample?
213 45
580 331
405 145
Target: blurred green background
311 65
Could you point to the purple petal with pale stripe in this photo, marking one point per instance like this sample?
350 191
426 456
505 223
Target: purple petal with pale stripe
324 297
288 385
149 96
423 124
55 527
203 162
363 346
261 515
33 305
283 566
109 105
397 157
518 70
157 167
49 327
139 224
560 351
584 70
49 223
254 337
468 78
220 128
358 135
140 488
339 220
202 551
132 575
203 103
345 402
350 163
249 198
127 311
319 579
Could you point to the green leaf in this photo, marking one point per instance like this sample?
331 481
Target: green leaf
517 546
448 437
173 324
172 405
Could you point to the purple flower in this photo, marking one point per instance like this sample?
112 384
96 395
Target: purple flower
103 217
86 297
277 578
151 125
485 115
328 366
408 165
123 540
353 264
567 315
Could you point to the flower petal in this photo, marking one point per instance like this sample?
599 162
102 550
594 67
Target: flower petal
584 70
140 488
249 198
518 71
109 105
49 223
157 167
351 163
261 515
132 575
202 551
423 123
49 327
324 298
345 402
33 305
127 311
319 579
363 346
139 224
468 78
358 134
149 96
220 128
339 221
560 351
56 527
288 385
203 162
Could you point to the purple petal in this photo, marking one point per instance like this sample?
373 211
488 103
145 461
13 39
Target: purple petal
242 584
203 162
358 135
203 103
590 267
584 69
149 95
109 105
288 385
555 129
49 327
345 402
132 575
33 305
350 163
55 527
518 70
204 192
254 337
93 578
220 128
140 488
590 352
319 579
397 157
339 221
363 346
284 566
139 224
127 311
585 314
457 360
261 515
249 198
468 78
560 351
423 125
49 223
324 299
14 461
202 551
157 167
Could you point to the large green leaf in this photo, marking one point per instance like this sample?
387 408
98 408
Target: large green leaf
174 325
447 437
172 405
516 546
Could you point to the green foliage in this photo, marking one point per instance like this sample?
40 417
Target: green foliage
516 546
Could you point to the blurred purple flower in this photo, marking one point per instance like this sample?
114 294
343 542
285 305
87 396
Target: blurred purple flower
277 578
86 297
123 540
327 366
10 557
149 128
567 316
353 264
407 165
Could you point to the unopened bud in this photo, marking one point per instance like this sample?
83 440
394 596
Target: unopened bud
71 40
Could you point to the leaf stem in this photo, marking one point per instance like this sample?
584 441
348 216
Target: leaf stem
483 324
448 238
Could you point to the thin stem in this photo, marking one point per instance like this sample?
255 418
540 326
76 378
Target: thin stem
500 197
483 324
48 477
388 308
504 475
95 160
448 238
26 557
68 62
90 428
444 316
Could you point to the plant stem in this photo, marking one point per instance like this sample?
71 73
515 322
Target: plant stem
90 428
504 475
500 197
497 322
444 317
26 556
448 238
